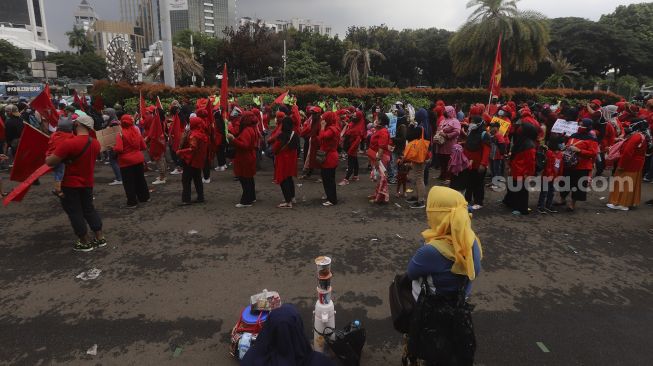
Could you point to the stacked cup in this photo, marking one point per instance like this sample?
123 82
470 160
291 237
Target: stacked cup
324 276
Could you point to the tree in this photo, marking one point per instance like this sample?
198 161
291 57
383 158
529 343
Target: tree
77 38
210 52
303 68
635 18
359 57
252 49
12 59
563 71
525 38
184 65
85 66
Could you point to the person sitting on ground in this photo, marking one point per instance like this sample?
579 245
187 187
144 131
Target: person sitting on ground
282 342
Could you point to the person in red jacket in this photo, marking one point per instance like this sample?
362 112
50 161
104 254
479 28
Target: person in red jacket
477 150
522 165
193 155
129 148
329 140
584 144
553 170
379 156
246 143
591 111
627 188
310 132
606 134
284 146
352 138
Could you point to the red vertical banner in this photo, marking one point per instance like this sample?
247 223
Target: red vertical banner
77 100
495 81
224 91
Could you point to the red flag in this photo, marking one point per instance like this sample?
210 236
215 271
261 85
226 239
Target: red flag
2 129
20 191
30 154
281 98
495 81
98 103
224 91
78 101
43 104
176 131
156 138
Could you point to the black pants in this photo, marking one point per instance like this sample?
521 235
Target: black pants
443 159
175 158
189 175
249 191
206 172
352 166
78 205
329 183
578 191
546 195
600 164
517 199
133 181
222 159
288 189
474 187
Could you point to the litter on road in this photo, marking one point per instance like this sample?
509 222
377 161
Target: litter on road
92 351
542 347
91 274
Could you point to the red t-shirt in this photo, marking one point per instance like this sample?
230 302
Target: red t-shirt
79 174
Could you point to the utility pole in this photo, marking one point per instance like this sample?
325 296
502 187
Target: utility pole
192 52
285 59
166 44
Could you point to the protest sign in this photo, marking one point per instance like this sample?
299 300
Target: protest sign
107 137
504 125
564 127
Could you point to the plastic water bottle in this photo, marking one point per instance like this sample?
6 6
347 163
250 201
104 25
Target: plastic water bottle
355 324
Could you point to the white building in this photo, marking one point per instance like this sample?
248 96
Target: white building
294 23
85 16
22 23
152 56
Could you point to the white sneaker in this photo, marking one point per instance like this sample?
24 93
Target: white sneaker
327 204
621 208
159 181
116 183
477 207
240 205
343 182
206 181
176 172
221 168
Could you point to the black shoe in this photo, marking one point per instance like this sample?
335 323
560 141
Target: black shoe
550 210
541 210
649 202
411 199
418 205
199 201
99 243
80 247
131 207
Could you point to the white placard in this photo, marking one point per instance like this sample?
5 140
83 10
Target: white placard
565 127
178 4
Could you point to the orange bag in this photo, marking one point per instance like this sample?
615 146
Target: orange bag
417 151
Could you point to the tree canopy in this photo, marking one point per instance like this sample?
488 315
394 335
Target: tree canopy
78 38
12 59
82 66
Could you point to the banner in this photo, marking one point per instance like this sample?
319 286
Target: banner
564 127
30 154
107 137
504 126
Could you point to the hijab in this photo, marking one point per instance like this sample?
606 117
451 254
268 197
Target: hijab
130 136
287 128
282 342
450 229
422 118
198 130
476 136
584 130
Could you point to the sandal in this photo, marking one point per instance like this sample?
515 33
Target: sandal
59 194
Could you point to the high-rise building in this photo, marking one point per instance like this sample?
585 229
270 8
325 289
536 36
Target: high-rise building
144 15
301 25
22 23
85 16
105 31
210 17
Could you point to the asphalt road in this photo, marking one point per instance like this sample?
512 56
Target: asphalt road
580 284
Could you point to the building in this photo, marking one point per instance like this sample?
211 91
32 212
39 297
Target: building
144 15
22 23
210 17
294 23
105 31
85 16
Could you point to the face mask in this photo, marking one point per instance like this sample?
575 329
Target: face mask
561 146
502 113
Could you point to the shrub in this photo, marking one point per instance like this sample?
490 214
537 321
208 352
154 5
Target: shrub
112 93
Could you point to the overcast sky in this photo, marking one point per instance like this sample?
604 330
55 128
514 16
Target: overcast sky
447 14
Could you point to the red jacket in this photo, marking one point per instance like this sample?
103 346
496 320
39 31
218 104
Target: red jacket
245 158
285 161
355 131
55 140
609 137
380 140
587 154
329 139
129 147
522 164
633 153
554 166
195 154
478 158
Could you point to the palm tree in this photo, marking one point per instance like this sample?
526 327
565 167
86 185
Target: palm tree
525 38
563 71
77 38
184 63
356 56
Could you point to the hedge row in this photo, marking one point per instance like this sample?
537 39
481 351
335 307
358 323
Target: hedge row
119 93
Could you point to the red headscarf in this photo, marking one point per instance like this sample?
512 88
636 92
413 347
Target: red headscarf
198 129
130 135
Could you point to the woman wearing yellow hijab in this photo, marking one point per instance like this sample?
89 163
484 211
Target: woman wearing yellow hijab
452 251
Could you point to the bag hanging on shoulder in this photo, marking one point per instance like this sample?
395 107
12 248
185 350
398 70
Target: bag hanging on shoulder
417 150
402 302
441 328
570 157
614 153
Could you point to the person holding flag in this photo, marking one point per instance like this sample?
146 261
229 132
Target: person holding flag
79 153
